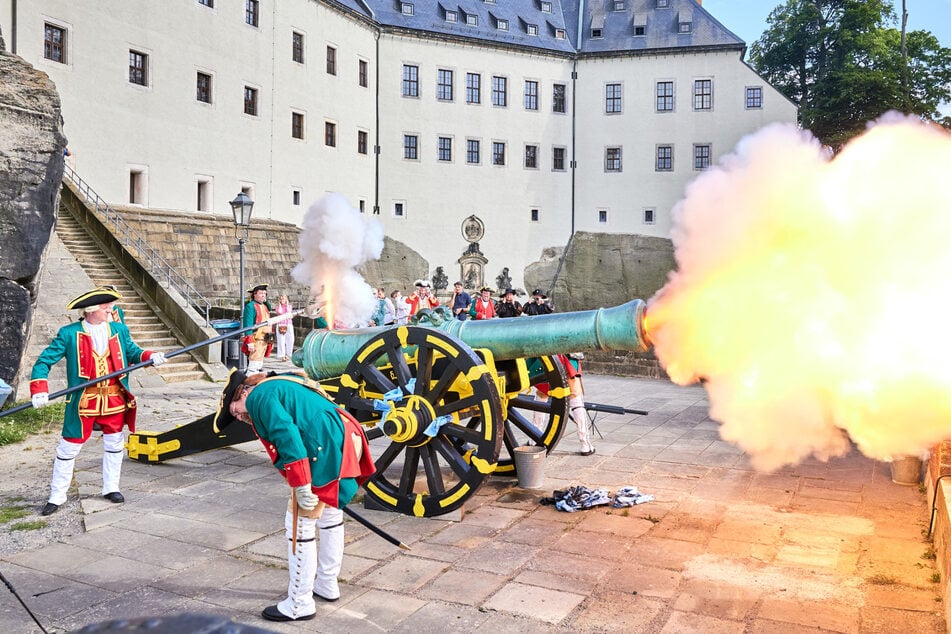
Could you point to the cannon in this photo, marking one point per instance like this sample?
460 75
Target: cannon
453 398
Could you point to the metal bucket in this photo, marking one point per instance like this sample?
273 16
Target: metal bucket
530 466
906 470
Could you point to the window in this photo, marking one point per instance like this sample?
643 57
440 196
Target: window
295 197
297 125
410 81
534 215
531 95
363 73
331 60
330 134
203 195
596 33
451 16
648 216
251 12
665 158
703 94
701 156
444 148
137 186
297 47
54 43
558 159
662 4
472 19
472 151
531 157
473 88
399 209
410 146
665 96
754 97
612 159
498 91
640 30
558 97
559 34
208 3
361 142
683 27
444 85
612 98
250 101
502 25
546 7
407 8
531 29
498 153
138 68
619 5
602 215
203 88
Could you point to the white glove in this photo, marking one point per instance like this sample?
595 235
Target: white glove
306 498
251 346
158 359
41 399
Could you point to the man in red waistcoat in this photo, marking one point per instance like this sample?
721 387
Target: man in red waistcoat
94 346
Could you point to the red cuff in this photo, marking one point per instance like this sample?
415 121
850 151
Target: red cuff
297 472
147 354
38 386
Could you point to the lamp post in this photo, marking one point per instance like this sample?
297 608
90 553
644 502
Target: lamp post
241 207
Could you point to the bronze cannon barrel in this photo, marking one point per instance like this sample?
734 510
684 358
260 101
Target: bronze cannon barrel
326 353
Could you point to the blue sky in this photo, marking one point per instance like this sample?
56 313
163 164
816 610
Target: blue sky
747 18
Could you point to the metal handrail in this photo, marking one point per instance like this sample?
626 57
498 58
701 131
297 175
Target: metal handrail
129 238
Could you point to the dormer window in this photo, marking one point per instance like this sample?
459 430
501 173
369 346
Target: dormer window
640 24
451 16
531 29
639 30
472 19
619 5
684 21
683 27
663 4
559 34
407 8
502 25
546 7
595 32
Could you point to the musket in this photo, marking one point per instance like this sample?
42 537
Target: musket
373 527
143 364
612 409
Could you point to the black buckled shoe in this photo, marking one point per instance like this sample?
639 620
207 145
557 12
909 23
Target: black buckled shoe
115 497
271 613
49 509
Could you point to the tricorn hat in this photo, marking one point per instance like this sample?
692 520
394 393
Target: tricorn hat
538 293
257 287
95 297
424 283
223 416
486 288
507 291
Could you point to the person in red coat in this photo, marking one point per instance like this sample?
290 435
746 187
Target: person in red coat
483 307
422 297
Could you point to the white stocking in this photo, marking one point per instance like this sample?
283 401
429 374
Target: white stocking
66 453
301 568
580 416
330 555
113 446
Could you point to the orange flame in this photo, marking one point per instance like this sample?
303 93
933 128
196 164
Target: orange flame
814 296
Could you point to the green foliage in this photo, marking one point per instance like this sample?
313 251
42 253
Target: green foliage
28 526
842 63
16 427
10 513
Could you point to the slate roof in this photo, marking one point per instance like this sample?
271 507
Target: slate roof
617 27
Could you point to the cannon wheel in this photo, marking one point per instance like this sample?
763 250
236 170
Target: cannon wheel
450 383
520 427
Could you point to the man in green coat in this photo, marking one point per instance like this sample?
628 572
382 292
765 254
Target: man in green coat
323 454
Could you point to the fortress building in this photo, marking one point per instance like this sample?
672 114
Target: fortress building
517 121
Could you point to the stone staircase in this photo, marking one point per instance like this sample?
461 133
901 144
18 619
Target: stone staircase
147 330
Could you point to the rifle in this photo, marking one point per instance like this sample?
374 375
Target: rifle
612 409
143 364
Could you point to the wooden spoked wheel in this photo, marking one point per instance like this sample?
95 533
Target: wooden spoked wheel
530 421
437 403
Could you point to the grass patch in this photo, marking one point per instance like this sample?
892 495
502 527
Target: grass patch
28 526
17 427
882 580
10 513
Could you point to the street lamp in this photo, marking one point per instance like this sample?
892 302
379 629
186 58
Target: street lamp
241 207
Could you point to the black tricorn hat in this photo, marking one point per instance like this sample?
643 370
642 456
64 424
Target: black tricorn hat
95 297
223 416
508 291
256 288
538 293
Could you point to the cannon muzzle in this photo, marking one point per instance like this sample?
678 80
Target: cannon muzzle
325 354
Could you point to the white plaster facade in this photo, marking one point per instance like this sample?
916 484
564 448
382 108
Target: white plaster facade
162 146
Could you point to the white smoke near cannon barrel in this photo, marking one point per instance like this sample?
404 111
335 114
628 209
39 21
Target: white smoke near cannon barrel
813 294
334 240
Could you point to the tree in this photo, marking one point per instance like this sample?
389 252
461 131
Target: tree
843 65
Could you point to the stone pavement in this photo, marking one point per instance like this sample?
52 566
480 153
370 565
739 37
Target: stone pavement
820 547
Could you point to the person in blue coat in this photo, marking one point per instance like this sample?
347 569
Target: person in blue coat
323 454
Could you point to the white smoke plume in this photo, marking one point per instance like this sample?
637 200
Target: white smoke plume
813 295
335 239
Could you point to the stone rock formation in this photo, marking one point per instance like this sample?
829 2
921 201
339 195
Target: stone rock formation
31 171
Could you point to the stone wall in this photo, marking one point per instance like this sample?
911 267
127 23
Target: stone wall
31 169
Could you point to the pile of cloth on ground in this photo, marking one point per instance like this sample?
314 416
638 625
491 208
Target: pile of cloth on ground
581 498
